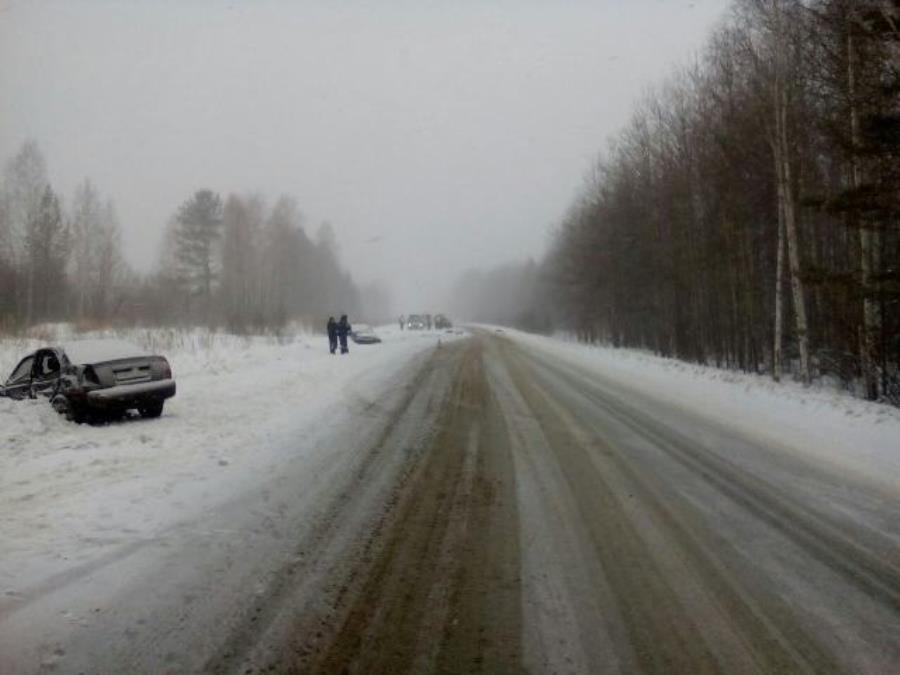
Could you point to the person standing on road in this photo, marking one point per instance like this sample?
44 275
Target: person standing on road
343 330
402 322
332 334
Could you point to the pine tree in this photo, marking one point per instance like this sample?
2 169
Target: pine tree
198 229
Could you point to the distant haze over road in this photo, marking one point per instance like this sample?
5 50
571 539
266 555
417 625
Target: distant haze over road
434 137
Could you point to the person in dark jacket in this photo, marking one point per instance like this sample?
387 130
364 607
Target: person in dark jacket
332 334
343 330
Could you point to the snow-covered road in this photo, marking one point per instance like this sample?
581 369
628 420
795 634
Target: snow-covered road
491 504
674 538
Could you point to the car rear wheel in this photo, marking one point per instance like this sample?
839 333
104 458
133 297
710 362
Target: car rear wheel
70 411
150 410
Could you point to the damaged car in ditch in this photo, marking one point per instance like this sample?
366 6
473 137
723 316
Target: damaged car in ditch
88 380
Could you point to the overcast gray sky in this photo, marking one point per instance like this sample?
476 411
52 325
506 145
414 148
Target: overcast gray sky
435 136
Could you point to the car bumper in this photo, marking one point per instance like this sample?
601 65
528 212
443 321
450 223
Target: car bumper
132 395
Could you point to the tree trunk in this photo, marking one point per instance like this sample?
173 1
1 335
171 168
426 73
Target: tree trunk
867 245
786 195
29 299
797 291
777 358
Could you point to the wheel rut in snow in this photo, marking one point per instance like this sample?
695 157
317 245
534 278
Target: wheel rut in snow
442 592
682 594
303 599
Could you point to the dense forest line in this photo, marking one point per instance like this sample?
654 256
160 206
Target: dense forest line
237 262
514 294
747 216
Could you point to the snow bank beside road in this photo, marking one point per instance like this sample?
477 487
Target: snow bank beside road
827 425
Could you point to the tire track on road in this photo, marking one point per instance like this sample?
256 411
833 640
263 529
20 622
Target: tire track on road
442 594
828 542
323 568
572 412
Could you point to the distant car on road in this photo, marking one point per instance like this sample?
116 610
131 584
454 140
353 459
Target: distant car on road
441 322
415 322
363 334
86 379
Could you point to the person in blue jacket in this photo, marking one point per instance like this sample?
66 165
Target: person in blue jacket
343 330
332 334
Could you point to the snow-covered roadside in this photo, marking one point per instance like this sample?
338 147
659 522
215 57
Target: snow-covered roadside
243 406
826 425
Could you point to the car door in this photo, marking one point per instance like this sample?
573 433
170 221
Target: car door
45 374
19 383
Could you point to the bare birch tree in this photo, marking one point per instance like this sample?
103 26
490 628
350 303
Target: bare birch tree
109 260
26 181
85 231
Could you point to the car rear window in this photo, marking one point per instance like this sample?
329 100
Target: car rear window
98 351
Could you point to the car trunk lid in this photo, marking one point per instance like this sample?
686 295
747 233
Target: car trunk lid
131 372
124 371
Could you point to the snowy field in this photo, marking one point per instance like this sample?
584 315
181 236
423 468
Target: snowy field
829 425
243 405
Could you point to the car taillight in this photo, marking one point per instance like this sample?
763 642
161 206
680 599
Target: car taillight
167 370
